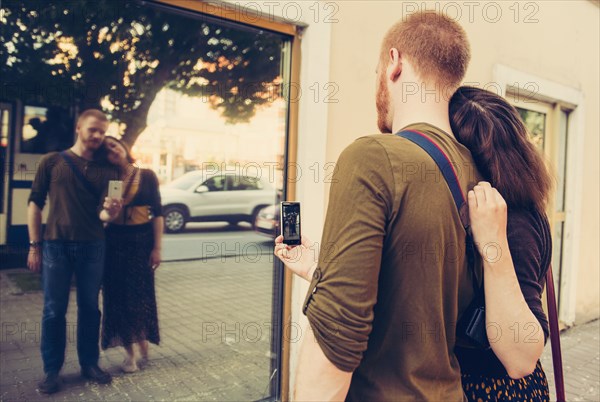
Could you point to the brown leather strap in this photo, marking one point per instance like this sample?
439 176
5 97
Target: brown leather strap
130 181
555 337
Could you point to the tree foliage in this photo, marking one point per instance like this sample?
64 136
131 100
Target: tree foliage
117 55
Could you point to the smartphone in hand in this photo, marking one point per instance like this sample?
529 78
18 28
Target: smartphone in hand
289 215
115 189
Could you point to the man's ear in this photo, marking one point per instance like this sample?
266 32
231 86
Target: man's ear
395 65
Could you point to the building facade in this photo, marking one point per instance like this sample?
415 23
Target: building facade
543 57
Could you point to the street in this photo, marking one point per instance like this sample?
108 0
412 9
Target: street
202 241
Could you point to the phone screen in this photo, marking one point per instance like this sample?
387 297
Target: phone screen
290 223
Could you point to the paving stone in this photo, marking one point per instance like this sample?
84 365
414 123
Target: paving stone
189 295
581 361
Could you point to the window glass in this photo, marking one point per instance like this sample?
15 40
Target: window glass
216 183
535 122
237 183
188 92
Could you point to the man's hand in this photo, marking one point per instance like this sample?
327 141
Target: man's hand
302 259
34 259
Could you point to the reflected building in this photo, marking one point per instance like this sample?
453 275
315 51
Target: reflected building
184 133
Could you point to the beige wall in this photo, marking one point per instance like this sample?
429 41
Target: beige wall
561 47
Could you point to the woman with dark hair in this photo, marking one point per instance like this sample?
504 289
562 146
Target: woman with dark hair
133 244
512 234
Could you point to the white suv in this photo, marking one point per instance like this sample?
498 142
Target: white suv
202 196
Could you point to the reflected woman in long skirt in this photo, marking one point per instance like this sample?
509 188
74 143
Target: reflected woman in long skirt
133 241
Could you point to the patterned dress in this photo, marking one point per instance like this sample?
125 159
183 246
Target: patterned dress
130 312
532 388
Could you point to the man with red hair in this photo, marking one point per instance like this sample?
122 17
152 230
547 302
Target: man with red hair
73 243
392 278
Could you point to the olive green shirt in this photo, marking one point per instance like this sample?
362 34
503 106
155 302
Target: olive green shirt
392 275
74 208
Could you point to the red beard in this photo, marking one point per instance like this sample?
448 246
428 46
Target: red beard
92 144
382 102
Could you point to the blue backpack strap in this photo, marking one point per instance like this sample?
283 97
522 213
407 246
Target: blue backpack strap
445 166
78 173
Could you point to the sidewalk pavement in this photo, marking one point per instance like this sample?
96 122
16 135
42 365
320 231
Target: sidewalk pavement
215 342
581 362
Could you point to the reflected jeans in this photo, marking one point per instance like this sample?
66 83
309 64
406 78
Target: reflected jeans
60 259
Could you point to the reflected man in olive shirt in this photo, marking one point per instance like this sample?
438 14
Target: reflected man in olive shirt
73 243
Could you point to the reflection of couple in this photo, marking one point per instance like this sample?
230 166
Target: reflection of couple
291 225
74 244
382 304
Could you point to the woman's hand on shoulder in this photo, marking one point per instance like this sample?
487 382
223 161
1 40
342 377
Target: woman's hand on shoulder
488 214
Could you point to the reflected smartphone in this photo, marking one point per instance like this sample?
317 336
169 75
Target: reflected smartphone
115 189
289 215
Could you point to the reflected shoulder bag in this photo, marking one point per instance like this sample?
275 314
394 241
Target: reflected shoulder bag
471 325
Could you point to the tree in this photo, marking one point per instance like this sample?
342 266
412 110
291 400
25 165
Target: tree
117 55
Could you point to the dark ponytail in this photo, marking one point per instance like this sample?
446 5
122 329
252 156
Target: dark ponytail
493 131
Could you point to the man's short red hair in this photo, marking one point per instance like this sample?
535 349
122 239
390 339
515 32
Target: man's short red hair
98 114
435 44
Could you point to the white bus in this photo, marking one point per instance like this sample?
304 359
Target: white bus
27 132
